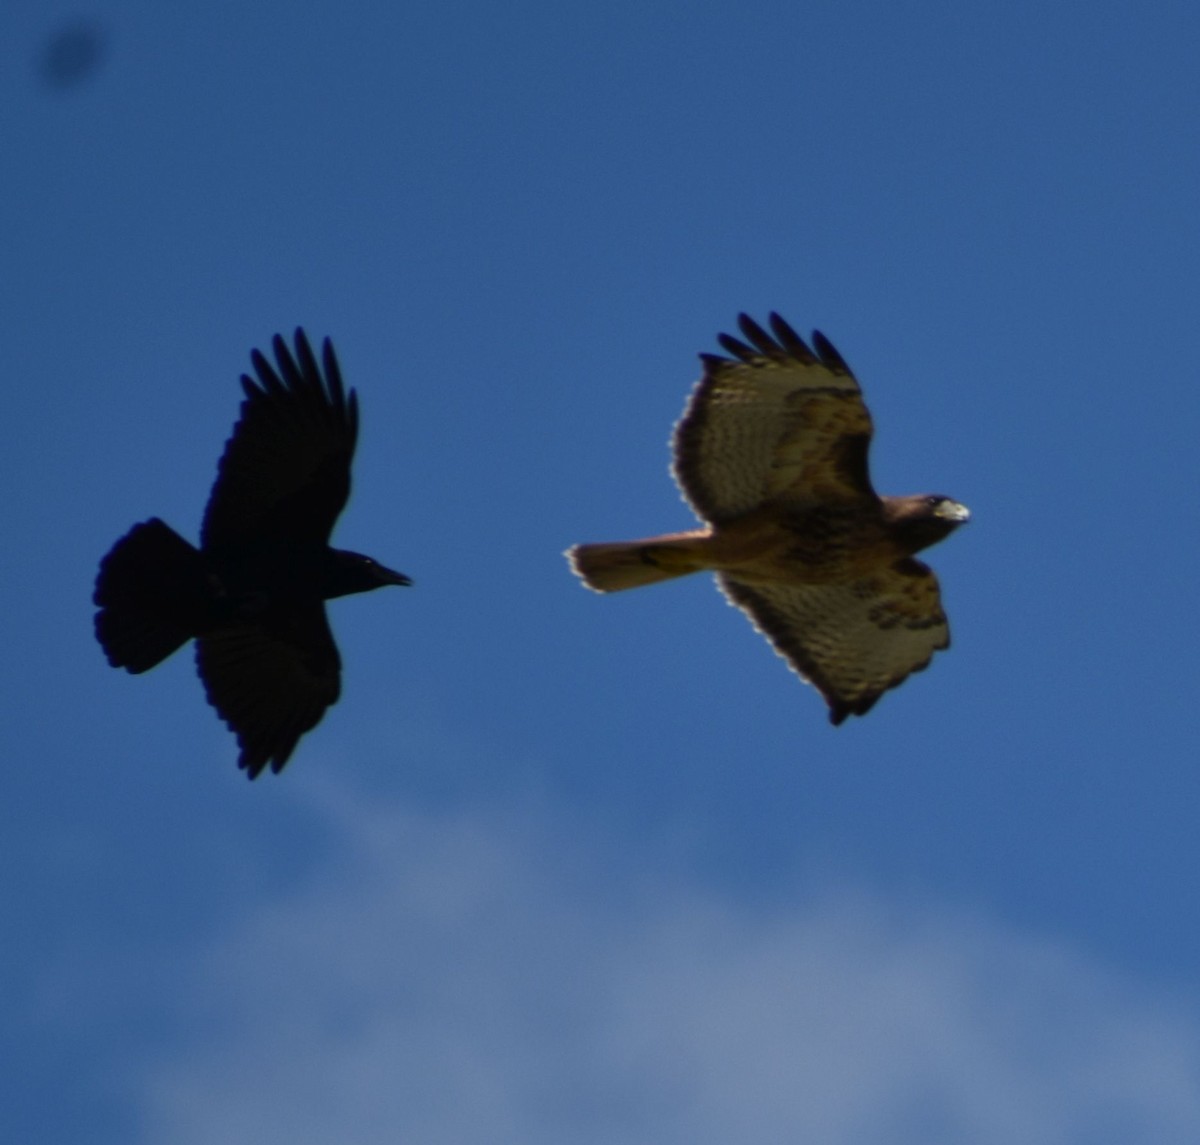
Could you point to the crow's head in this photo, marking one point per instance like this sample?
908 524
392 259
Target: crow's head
352 572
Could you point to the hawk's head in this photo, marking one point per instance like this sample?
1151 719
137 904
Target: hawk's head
923 519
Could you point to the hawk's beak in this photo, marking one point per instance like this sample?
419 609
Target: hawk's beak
953 511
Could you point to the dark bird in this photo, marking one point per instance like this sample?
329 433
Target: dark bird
252 595
771 454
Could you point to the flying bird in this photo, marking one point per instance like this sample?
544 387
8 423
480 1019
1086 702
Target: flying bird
253 594
771 454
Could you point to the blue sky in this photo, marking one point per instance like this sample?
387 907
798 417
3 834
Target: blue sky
563 868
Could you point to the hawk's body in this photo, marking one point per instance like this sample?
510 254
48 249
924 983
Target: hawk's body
771 453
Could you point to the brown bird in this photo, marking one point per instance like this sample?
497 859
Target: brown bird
771 454
253 593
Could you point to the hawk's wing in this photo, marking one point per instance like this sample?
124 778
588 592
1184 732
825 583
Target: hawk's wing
775 422
854 641
285 472
271 681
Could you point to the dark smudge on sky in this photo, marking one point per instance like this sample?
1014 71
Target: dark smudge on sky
72 55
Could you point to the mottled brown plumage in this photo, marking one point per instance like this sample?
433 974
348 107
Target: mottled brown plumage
771 453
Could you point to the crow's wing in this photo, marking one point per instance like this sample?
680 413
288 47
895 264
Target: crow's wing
285 472
271 681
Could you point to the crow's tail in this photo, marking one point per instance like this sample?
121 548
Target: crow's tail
151 592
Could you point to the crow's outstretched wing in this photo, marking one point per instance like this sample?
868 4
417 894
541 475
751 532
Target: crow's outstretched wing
285 472
271 681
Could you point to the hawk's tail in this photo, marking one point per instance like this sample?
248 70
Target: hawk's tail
150 591
631 564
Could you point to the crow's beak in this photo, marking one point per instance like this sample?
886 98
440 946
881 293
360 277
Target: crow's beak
390 576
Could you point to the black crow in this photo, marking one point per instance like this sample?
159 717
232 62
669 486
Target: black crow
253 593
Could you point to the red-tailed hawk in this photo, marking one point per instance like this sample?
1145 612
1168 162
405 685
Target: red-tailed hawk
771 453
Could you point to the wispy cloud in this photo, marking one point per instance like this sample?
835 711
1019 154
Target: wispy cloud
474 978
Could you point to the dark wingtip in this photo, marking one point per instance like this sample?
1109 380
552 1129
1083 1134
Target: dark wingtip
730 343
790 340
329 358
736 349
779 344
269 382
254 765
760 339
304 354
829 354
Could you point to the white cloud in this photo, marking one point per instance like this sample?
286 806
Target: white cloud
478 978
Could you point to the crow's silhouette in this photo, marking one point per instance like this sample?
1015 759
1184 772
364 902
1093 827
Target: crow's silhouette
253 593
